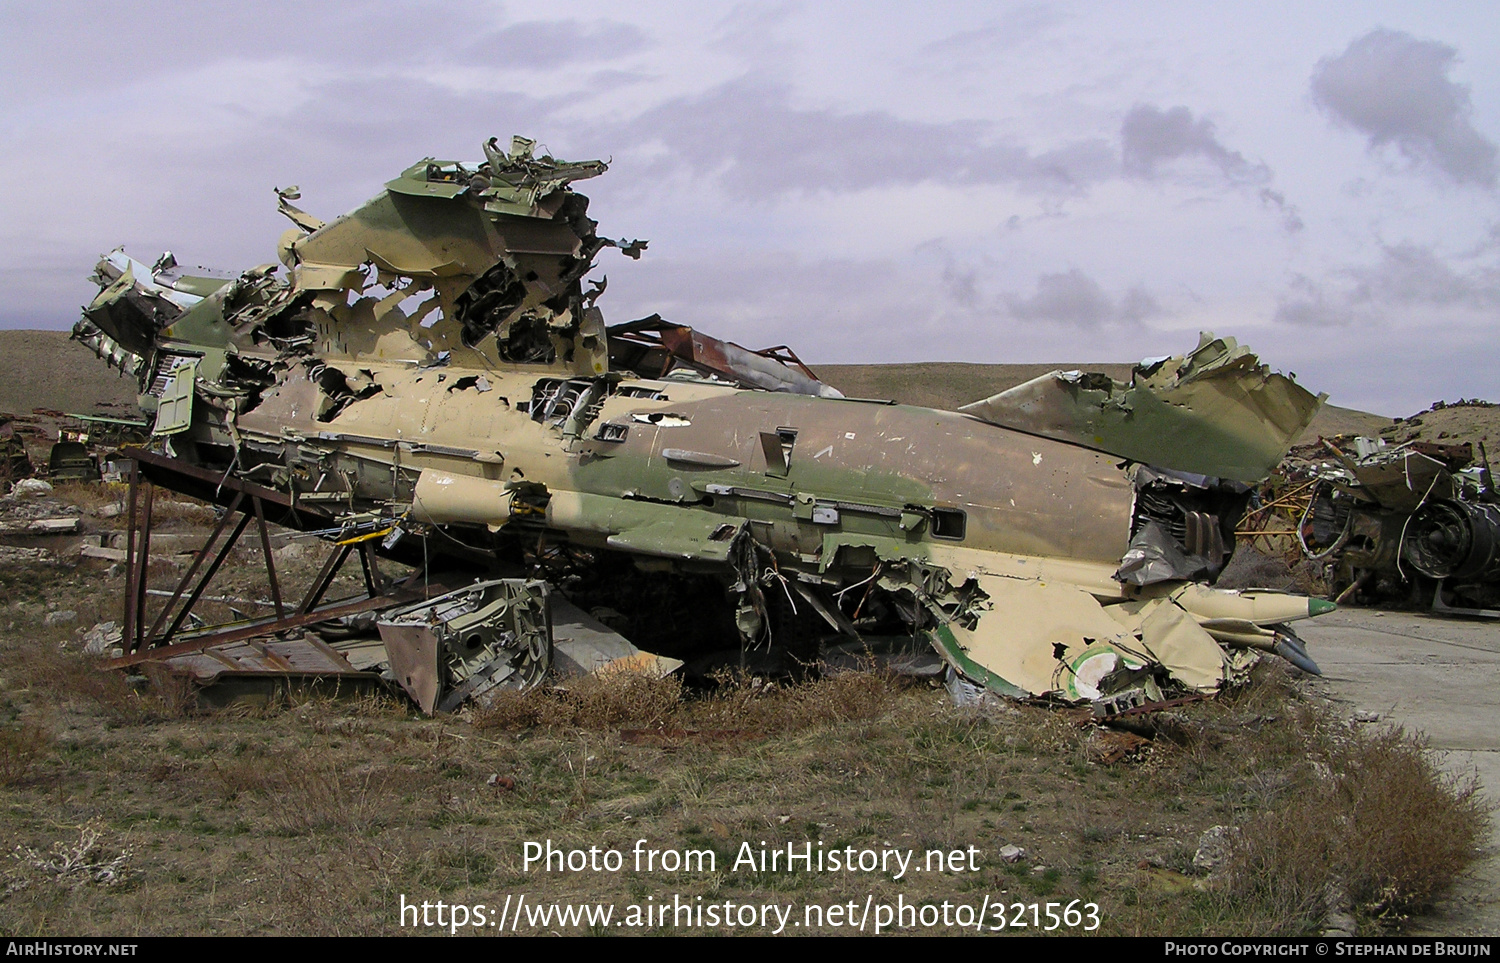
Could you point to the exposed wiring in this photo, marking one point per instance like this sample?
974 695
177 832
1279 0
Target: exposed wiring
1401 542
1338 543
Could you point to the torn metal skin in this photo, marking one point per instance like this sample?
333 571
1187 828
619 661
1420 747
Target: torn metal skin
1214 411
431 363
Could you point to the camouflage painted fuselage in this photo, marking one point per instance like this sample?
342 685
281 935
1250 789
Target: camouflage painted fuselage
693 451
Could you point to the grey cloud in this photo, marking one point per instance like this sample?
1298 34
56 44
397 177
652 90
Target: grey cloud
848 310
1461 361
1075 298
751 30
1409 274
750 136
1394 89
547 43
340 146
1308 306
1138 305
76 44
1311 313
1015 26
959 281
142 41
962 286
1291 219
1151 137
1406 276
617 78
822 307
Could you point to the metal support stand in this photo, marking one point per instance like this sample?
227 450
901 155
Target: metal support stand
142 644
1440 607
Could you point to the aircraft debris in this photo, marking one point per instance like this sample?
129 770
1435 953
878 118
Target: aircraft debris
15 464
1415 521
462 645
32 487
426 378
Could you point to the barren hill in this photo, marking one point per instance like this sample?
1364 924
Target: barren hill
43 369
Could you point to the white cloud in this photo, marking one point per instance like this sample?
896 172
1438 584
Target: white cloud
1395 89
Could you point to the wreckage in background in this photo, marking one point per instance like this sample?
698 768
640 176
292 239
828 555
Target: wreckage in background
428 379
1416 522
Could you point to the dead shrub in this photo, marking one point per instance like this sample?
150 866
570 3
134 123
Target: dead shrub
742 703
608 700
635 701
1374 825
1252 568
533 709
95 859
612 700
1412 829
20 749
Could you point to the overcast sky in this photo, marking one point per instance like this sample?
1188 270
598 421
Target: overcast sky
989 182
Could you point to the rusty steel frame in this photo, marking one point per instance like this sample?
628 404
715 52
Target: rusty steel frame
270 626
142 644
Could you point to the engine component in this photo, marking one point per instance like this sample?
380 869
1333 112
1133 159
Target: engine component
1452 539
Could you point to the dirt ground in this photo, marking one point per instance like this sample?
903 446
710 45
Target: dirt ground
43 369
1476 422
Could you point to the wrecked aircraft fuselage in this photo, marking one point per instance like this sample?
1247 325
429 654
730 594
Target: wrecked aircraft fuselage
431 364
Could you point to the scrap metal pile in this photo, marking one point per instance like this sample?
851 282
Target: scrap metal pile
428 378
1414 522
78 441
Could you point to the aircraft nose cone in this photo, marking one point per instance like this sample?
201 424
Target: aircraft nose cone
1319 607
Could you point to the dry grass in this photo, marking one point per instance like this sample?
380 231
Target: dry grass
60 677
740 704
322 794
107 502
91 497
310 817
618 700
